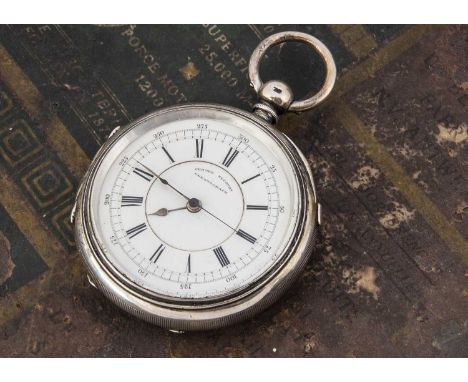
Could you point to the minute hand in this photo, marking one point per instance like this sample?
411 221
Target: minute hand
163 181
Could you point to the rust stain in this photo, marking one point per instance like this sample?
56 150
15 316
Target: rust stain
189 71
6 263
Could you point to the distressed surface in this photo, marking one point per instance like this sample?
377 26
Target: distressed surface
389 151
6 264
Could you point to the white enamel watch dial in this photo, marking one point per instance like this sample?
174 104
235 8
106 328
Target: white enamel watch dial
194 208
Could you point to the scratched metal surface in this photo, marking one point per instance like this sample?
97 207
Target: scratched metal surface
389 151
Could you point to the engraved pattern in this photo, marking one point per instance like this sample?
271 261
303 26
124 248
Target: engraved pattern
18 143
45 181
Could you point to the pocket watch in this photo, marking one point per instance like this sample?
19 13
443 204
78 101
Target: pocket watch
198 216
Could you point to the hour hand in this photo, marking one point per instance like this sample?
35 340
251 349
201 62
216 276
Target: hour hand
193 205
165 211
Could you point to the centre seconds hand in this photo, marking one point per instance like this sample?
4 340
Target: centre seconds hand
164 181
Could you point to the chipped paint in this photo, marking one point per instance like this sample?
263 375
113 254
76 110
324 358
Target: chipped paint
323 171
461 211
364 177
361 280
417 177
449 134
309 343
400 214
330 258
407 151
366 281
416 174
6 263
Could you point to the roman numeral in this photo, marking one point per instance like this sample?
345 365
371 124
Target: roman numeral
246 236
144 174
199 147
221 256
251 178
256 208
129 201
168 155
132 232
230 156
154 258
189 264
